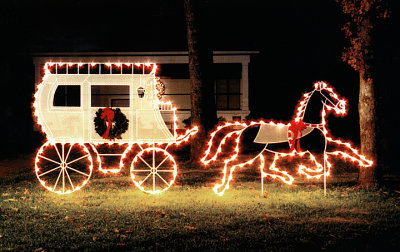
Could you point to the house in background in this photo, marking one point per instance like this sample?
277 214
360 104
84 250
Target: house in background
231 72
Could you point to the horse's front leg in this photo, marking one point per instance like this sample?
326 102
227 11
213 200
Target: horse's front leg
314 166
274 171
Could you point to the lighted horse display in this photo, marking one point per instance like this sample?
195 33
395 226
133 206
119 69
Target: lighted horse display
272 133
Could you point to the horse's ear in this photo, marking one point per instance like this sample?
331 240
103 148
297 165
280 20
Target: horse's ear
319 85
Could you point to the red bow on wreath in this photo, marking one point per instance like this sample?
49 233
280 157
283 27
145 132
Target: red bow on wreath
108 116
295 129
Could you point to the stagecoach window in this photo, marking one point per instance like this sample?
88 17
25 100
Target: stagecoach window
110 96
67 96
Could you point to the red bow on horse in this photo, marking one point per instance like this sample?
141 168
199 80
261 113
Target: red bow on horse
294 130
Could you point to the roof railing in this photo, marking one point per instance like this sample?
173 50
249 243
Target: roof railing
72 68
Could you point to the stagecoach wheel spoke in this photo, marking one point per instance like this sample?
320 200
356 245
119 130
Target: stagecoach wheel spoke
58 153
154 165
64 181
69 150
44 173
162 179
75 160
161 161
144 161
48 159
70 181
58 178
148 176
75 170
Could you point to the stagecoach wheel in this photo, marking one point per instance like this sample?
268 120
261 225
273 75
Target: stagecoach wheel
63 167
153 170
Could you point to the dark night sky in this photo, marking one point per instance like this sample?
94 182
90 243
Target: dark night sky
299 42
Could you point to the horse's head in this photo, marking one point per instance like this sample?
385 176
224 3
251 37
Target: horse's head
330 99
322 99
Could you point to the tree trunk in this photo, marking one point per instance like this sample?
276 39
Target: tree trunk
203 110
366 109
367 112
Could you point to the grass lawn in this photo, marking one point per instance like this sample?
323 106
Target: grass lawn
111 214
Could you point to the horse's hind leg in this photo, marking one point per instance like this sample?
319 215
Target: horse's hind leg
228 171
274 171
226 179
220 188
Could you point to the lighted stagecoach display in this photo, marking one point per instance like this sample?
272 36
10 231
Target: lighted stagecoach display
94 111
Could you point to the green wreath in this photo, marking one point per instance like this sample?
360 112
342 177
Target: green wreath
119 124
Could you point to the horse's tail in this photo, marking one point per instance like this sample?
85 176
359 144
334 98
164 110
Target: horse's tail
349 152
220 137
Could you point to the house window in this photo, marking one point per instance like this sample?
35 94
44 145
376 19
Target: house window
67 96
110 96
227 85
227 94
